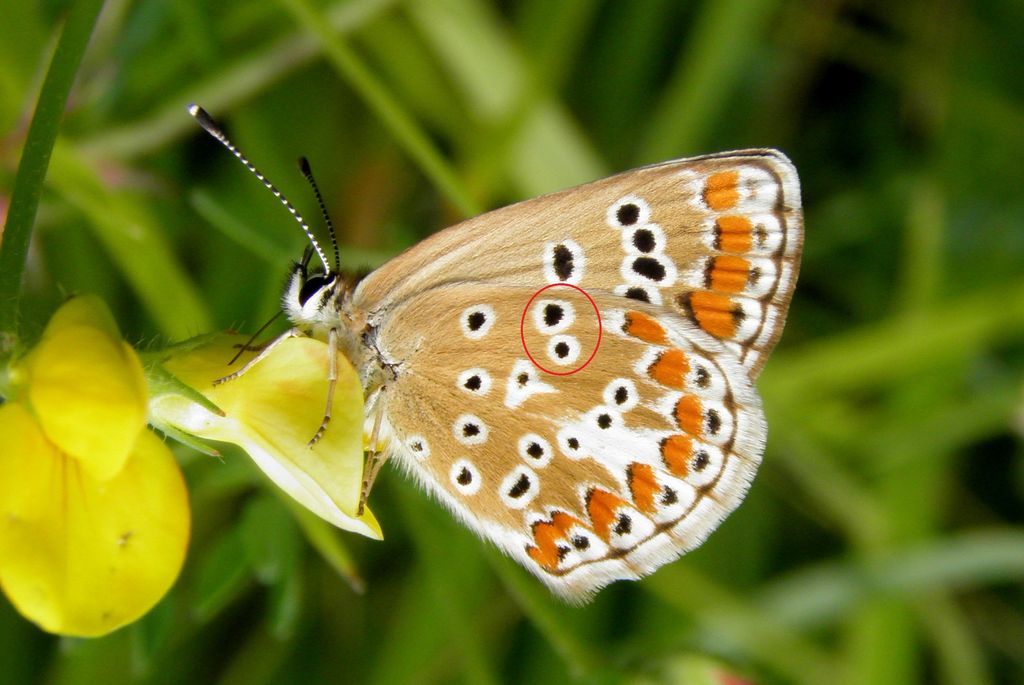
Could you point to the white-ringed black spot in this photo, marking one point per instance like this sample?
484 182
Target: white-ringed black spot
520 487
669 497
522 379
628 211
638 293
580 542
570 444
475 382
644 240
623 525
563 349
562 262
701 461
465 477
477 321
553 314
702 378
535 450
418 446
563 551
604 421
649 268
627 214
714 421
470 430
621 393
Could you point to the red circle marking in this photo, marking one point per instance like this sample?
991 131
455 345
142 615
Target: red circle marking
522 329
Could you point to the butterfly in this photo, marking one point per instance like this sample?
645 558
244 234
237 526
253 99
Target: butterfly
573 375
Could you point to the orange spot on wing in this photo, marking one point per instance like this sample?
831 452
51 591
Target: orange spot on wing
716 314
564 521
670 369
646 328
642 486
545 553
547 535
601 506
689 414
676 452
735 233
721 190
729 274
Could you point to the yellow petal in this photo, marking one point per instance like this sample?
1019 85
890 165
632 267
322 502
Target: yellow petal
81 556
271 412
87 388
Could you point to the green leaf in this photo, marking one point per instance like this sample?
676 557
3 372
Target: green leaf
270 539
224 575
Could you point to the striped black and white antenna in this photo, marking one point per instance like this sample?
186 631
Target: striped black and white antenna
308 173
211 127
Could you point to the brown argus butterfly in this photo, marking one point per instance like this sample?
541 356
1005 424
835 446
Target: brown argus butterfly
573 375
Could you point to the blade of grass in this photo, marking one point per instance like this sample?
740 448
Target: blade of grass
405 130
718 617
884 352
327 541
234 82
451 597
535 601
130 235
823 594
35 160
531 140
725 38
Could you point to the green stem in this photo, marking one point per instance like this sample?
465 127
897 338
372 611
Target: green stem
35 159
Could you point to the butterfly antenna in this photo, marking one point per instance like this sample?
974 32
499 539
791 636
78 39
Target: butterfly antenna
308 173
211 127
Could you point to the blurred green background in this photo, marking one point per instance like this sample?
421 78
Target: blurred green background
882 541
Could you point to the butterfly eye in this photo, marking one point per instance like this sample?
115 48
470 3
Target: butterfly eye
312 287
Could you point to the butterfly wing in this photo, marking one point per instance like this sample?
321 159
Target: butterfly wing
716 239
593 439
585 473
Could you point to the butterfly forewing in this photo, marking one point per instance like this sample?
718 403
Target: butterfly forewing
716 239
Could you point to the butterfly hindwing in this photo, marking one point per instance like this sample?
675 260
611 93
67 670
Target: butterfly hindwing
585 478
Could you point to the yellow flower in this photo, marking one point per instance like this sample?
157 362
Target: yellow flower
271 411
94 517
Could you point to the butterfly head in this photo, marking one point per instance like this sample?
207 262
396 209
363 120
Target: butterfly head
311 298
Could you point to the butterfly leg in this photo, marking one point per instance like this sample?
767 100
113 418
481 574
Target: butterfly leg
374 460
332 381
291 333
